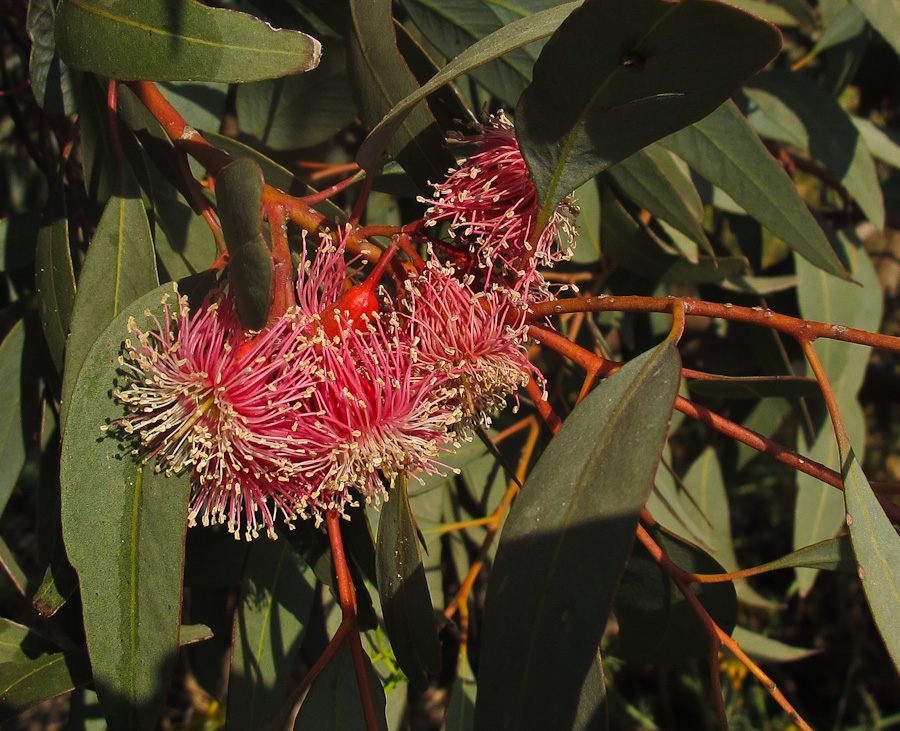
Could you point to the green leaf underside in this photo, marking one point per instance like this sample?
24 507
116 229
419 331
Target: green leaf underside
517 34
129 554
884 15
12 437
725 150
876 545
120 266
137 40
405 601
578 508
615 78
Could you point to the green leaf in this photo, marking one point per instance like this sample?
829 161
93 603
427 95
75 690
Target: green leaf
884 15
54 276
51 81
124 527
630 244
380 79
724 150
592 713
771 118
649 76
587 248
834 554
579 507
765 649
848 24
32 670
405 601
277 594
119 267
239 190
755 387
460 714
833 139
517 34
13 366
876 545
177 41
653 180
656 623
278 114
454 25
333 703
882 142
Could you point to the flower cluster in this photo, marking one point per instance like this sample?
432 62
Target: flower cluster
351 387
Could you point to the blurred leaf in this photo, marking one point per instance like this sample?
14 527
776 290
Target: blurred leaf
177 41
656 623
239 191
51 82
380 79
460 714
883 143
18 239
190 634
455 25
579 507
765 649
772 118
587 250
754 387
768 11
833 139
652 179
848 24
277 593
333 703
517 34
54 276
14 364
725 151
119 267
764 419
877 549
124 527
884 17
32 670
628 243
819 509
649 76
278 113
405 601
760 285
202 104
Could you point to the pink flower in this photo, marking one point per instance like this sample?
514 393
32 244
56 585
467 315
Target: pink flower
203 397
377 414
478 338
491 203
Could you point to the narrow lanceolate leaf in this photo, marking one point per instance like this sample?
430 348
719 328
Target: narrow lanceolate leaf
405 601
54 276
515 35
381 79
460 714
725 150
765 649
877 548
333 702
577 513
276 597
12 437
616 77
120 266
51 81
124 527
884 15
239 190
177 41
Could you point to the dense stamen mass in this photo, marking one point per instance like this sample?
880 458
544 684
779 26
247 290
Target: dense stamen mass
351 388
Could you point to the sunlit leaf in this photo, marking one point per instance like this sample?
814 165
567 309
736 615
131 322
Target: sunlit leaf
124 527
177 41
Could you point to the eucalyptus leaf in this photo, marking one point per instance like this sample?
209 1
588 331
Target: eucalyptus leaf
579 508
614 78
129 555
884 15
177 41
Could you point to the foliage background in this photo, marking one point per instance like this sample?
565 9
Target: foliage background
824 112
